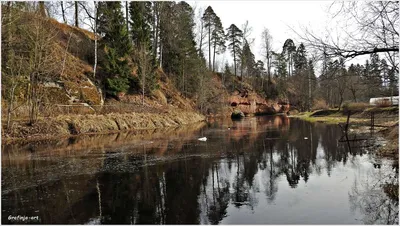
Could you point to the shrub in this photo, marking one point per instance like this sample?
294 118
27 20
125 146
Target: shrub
355 107
320 104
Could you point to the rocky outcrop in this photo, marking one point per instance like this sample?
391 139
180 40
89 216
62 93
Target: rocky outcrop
250 103
237 114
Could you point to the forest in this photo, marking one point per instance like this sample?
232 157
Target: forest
130 47
141 112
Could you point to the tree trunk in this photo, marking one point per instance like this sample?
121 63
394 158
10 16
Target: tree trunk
127 16
33 100
213 68
234 57
262 82
161 49
76 14
155 25
10 106
42 9
65 55
269 66
95 39
143 67
209 45
63 12
353 92
183 77
201 38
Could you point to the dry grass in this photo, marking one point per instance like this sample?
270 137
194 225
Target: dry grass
320 104
355 107
81 124
67 28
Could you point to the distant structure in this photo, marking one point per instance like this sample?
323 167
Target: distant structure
394 100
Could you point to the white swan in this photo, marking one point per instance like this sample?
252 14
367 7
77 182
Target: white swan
203 139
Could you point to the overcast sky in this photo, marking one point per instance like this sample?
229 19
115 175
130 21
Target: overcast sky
277 16
280 17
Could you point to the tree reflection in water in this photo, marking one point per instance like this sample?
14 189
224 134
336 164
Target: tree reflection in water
374 197
197 182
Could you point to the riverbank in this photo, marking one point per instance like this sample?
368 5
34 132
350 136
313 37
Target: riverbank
67 125
386 123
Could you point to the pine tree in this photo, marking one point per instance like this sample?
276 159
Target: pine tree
373 76
288 51
247 59
209 18
234 36
280 64
300 59
179 53
140 21
115 41
218 39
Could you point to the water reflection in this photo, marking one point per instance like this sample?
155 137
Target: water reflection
258 170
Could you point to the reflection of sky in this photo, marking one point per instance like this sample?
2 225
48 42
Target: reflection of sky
322 200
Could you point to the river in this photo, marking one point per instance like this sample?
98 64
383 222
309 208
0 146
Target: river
259 170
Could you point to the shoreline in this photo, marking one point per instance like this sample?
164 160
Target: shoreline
360 123
72 125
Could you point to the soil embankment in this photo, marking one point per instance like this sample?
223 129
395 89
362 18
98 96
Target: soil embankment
67 125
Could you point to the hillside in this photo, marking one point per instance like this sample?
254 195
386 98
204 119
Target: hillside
70 90
73 82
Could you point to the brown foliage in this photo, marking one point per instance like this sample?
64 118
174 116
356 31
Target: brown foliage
320 104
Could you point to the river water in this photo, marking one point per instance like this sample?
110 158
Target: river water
260 170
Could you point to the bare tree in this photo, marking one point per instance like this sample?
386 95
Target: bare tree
200 31
40 61
76 14
267 49
42 9
95 39
374 29
63 11
246 29
144 63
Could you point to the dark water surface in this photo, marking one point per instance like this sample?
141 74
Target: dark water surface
261 170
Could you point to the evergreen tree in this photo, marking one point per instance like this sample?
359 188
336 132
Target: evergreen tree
140 21
234 37
300 59
247 59
115 41
373 77
209 18
288 51
179 53
218 39
280 64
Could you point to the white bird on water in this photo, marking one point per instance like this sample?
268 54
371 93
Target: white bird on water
203 139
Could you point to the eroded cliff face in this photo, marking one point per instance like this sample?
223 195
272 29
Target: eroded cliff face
250 103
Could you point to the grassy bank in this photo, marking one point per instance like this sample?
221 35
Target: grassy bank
66 125
386 123
334 117
391 149
359 115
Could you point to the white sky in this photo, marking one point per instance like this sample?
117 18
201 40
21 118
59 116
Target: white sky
280 17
